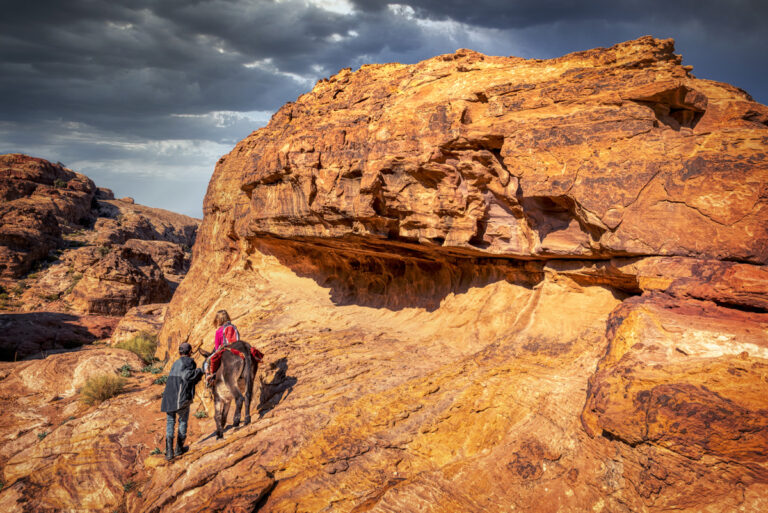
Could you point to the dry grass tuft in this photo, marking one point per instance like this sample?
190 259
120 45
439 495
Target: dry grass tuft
143 344
100 388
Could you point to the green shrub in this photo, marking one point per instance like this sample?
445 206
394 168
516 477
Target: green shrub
152 369
128 486
202 414
161 380
20 287
59 183
41 435
100 388
104 250
125 371
52 297
143 344
156 450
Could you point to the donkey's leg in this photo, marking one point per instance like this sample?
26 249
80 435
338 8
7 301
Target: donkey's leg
225 411
238 408
248 396
219 415
238 405
232 383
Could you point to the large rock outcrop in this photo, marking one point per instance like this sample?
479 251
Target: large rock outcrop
482 284
38 200
70 249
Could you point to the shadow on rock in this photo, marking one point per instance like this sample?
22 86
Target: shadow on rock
24 335
393 274
277 388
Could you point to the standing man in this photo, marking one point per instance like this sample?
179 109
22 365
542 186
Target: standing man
177 396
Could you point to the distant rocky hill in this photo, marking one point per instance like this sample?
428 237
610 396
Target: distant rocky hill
481 284
72 250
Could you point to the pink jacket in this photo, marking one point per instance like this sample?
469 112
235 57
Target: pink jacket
218 339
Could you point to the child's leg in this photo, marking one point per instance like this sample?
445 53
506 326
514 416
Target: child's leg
170 424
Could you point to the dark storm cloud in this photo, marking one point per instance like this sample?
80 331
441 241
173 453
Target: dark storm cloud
725 41
166 86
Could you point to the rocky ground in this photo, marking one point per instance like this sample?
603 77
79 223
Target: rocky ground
481 284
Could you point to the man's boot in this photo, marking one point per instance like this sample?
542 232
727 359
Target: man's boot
180 449
169 449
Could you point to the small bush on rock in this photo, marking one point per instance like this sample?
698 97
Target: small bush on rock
143 345
100 388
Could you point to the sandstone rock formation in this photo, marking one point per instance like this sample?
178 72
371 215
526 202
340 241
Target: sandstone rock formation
139 319
38 200
481 284
122 279
88 253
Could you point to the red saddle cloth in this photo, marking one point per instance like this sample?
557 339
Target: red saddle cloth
215 361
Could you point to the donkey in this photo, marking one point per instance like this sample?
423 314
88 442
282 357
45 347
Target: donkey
233 380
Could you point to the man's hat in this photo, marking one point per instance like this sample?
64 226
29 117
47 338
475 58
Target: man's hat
185 348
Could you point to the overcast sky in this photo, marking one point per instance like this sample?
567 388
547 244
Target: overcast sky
144 96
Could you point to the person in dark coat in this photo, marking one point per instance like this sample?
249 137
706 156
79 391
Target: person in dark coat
177 396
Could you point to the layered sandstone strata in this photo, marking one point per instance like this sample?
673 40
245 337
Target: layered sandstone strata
481 284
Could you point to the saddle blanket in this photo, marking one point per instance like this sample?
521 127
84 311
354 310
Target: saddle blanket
215 361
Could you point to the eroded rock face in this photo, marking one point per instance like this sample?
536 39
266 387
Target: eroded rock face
69 249
123 279
38 200
586 155
481 284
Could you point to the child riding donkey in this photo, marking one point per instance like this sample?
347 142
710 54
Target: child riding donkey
226 333
231 370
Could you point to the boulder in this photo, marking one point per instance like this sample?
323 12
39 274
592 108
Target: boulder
46 427
145 319
124 278
681 391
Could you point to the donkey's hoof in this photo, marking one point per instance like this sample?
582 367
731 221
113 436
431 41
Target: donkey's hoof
219 435
247 421
235 423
